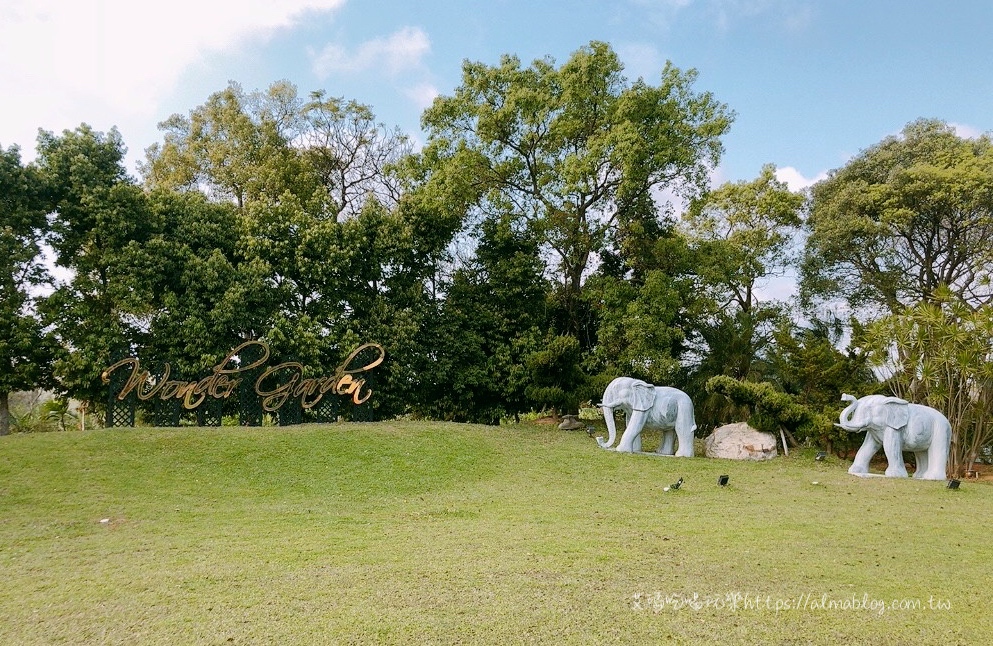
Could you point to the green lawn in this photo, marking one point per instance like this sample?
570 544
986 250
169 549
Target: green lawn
417 532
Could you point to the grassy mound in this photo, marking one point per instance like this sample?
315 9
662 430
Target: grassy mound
444 533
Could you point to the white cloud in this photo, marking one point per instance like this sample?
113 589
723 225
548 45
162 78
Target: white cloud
65 60
398 59
422 94
966 131
401 51
717 176
795 180
641 60
662 13
793 15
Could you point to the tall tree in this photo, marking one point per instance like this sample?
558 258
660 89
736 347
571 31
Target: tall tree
806 363
904 217
350 153
101 225
25 352
641 322
640 296
743 236
492 318
300 175
234 147
203 301
575 149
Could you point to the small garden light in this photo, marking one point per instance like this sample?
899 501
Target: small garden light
723 480
953 484
820 456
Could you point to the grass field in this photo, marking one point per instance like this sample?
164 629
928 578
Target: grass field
418 532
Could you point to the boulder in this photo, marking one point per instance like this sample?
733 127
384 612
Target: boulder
571 423
740 442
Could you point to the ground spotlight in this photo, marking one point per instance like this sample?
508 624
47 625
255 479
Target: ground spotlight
723 480
953 484
676 485
820 456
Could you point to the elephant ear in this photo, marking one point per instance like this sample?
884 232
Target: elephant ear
642 395
897 412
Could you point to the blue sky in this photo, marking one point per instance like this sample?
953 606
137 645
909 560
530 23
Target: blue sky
812 81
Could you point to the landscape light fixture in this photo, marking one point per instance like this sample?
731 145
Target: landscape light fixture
675 485
953 484
820 456
723 480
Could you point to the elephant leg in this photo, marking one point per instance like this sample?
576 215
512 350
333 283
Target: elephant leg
632 430
685 436
667 445
893 447
860 465
920 457
937 457
636 445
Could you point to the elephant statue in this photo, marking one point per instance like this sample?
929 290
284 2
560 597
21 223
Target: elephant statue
648 406
898 426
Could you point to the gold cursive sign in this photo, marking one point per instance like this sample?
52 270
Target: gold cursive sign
223 380
310 391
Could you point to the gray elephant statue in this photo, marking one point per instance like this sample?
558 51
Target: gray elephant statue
648 406
898 426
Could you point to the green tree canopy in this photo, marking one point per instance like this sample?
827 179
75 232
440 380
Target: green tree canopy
904 217
204 300
25 351
554 375
574 149
743 236
315 201
492 317
101 225
747 232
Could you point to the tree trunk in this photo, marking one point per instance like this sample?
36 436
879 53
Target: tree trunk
4 414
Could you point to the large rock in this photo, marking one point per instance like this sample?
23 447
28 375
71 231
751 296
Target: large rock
571 423
741 442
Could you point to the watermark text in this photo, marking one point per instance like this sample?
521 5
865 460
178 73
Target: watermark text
735 602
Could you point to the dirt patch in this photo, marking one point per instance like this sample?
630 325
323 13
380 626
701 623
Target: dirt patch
981 472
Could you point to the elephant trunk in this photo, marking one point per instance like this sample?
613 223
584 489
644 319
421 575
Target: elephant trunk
608 417
845 420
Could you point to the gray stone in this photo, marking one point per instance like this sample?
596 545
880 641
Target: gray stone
571 423
740 442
